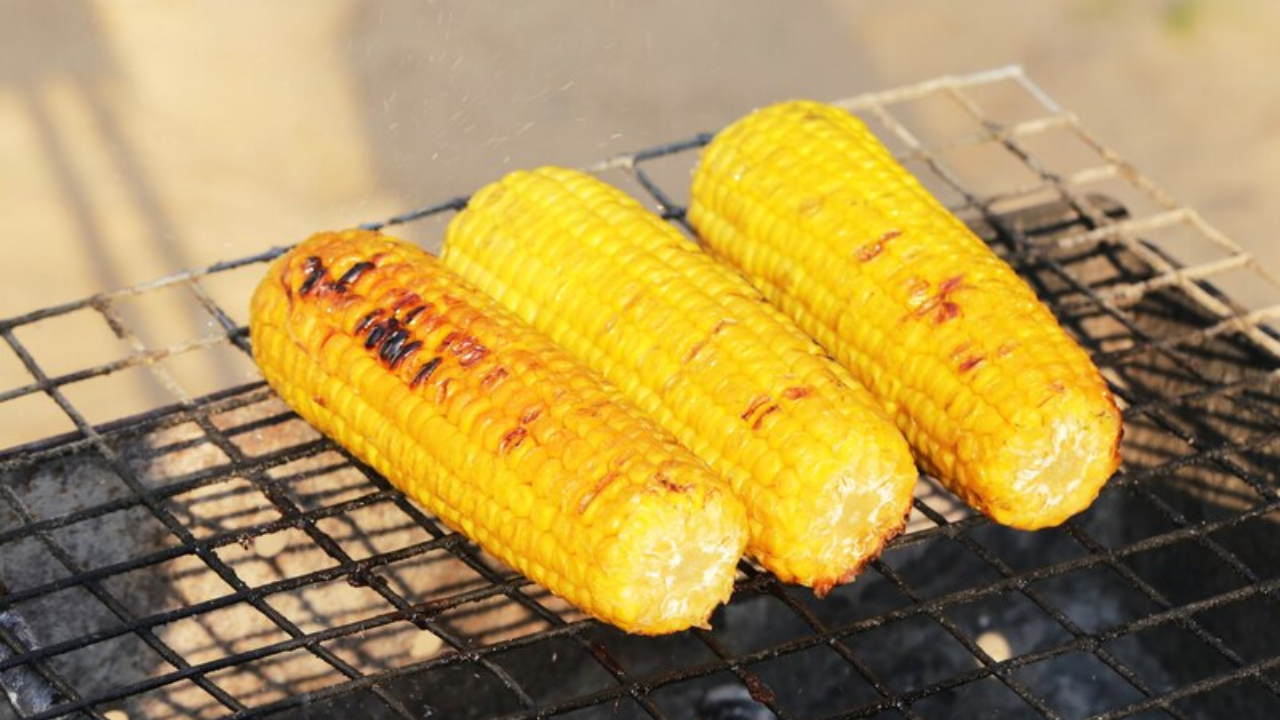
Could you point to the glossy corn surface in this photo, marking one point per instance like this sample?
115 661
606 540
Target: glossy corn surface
995 398
496 430
825 475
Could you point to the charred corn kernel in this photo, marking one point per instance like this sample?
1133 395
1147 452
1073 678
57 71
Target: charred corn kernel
995 398
496 430
825 475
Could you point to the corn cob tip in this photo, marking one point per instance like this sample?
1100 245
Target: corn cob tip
1057 467
684 546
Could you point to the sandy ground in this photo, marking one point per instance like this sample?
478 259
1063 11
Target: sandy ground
140 138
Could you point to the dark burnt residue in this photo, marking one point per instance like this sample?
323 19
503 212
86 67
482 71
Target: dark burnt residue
406 351
352 275
424 372
368 320
314 272
391 344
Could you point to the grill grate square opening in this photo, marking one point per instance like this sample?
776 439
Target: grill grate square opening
682 700
940 567
978 700
554 671
374 529
166 318
29 418
322 480
97 669
1247 698
275 677
181 456
225 508
912 653
644 658
221 633
1096 598
386 647
317 607
1182 658
166 586
1253 542
453 691
72 342
1201 573
265 428
140 532
207 369
1007 625
26 563
1077 685
64 615
754 623
289 553
175 701
1023 552
815 683
130 391
870 595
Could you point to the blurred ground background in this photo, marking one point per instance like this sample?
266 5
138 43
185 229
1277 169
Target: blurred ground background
138 138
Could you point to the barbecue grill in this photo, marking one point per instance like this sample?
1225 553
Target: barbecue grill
209 555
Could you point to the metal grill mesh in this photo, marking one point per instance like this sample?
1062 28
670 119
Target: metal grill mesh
212 556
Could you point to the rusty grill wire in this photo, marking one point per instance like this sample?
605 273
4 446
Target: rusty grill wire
212 556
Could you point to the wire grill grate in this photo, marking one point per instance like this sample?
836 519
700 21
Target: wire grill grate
213 556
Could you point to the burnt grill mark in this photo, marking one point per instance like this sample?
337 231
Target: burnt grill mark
595 491
405 353
408 299
1006 349
353 274
764 414
940 305
872 250
424 372
972 362
442 391
448 340
530 415
693 351
721 325
368 320
948 311
412 315
321 401
492 378
375 336
391 345
466 348
671 485
512 440
756 404
797 392
314 269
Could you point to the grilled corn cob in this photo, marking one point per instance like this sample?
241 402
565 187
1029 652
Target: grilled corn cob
496 430
995 398
825 475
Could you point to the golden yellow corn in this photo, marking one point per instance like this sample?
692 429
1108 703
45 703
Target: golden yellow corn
825 475
496 430
995 398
